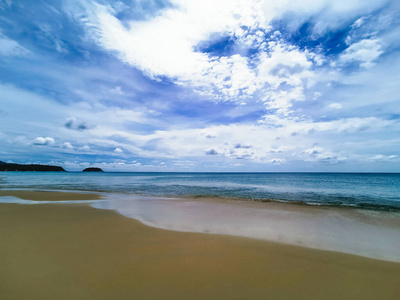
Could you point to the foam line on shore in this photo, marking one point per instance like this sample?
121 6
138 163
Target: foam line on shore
15 200
342 230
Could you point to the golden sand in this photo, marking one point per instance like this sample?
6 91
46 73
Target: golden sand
73 251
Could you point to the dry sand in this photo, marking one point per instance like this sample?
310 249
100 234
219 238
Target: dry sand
73 251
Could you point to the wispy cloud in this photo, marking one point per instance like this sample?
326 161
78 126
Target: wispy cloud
9 47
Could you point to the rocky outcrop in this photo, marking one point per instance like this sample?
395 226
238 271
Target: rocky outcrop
29 168
93 170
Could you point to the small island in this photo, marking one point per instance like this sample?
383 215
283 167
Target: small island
29 168
92 170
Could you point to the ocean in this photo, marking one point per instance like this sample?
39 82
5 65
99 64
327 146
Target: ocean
351 213
371 191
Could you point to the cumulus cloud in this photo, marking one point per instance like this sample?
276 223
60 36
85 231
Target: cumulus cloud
43 141
67 145
364 52
118 150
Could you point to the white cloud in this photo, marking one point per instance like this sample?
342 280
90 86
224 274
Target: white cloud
277 161
335 105
67 145
118 150
359 22
85 148
72 165
283 63
327 14
279 74
365 52
264 143
43 141
166 46
321 155
175 31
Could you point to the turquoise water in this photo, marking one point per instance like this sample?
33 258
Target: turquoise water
370 191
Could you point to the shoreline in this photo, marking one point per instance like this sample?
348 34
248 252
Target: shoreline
323 205
368 234
75 251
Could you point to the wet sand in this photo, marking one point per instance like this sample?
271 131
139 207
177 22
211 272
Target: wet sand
49 196
73 251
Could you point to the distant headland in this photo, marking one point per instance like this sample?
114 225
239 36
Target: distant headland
29 168
92 170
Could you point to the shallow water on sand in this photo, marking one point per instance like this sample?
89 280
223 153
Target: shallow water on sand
374 234
336 229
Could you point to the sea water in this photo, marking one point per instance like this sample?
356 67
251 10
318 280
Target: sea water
369 191
351 213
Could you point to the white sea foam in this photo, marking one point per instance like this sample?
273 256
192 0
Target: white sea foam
342 230
15 200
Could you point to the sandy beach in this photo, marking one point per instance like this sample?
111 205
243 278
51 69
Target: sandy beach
74 251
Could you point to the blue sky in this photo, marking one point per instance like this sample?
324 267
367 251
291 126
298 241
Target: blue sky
212 85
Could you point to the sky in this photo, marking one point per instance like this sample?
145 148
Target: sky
204 86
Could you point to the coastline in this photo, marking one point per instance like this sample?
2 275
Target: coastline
74 251
371 234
